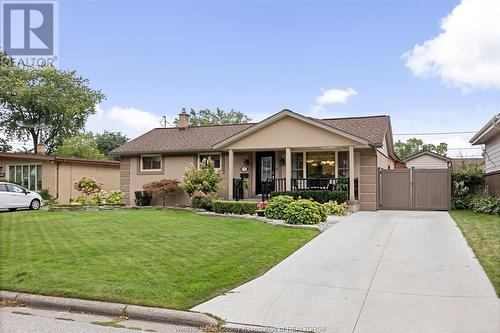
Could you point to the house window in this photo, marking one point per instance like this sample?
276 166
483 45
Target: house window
28 176
320 165
216 158
343 164
297 165
151 162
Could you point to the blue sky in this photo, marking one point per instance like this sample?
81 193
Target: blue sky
151 58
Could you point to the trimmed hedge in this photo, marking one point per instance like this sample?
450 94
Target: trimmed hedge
320 196
234 207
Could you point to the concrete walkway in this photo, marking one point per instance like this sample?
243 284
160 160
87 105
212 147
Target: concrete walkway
381 271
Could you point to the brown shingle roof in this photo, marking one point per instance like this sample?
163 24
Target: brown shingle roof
202 138
371 128
173 139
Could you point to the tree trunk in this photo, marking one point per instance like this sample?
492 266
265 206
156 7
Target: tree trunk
34 136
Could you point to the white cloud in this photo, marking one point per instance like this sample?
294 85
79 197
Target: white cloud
332 96
466 54
130 121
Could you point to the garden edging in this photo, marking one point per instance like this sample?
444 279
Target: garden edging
177 317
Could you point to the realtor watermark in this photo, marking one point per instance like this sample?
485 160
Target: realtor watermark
30 32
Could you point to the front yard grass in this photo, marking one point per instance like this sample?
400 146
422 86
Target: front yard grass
482 232
172 259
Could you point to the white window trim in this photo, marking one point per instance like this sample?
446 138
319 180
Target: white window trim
200 158
7 173
152 170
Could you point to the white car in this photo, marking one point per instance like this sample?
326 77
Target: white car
14 196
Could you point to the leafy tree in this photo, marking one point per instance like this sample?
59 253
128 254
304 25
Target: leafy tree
414 146
206 179
162 189
44 100
4 145
218 117
107 141
80 146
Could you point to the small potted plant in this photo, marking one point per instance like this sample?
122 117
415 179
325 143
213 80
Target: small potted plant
261 208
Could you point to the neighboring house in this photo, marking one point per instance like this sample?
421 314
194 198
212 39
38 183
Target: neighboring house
461 162
489 136
57 174
427 160
285 151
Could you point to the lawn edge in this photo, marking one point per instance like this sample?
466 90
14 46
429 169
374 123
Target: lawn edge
476 256
177 317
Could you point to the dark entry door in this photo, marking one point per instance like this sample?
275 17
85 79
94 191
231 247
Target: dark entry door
265 168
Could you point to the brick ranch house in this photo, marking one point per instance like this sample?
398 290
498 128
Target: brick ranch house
286 151
56 174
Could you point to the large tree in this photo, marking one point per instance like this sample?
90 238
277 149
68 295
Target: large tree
414 146
44 101
4 145
80 146
218 117
107 141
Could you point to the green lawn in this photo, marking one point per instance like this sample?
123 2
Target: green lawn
172 259
483 235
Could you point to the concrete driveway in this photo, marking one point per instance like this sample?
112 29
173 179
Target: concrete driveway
383 271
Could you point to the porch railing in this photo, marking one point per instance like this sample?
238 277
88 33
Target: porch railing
238 187
272 185
307 184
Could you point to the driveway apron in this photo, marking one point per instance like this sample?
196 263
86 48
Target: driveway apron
386 271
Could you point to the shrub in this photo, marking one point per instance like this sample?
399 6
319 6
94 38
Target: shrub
276 207
486 204
45 194
115 198
88 186
162 188
201 200
205 180
335 208
142 198
320 196
472 174
234 207
80 200
304 211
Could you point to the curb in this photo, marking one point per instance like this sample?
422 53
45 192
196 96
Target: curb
176 317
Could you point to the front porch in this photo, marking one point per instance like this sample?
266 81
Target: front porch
255 174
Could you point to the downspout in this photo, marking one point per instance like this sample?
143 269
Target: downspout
57 181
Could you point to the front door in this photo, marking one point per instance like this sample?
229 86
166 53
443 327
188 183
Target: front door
265 168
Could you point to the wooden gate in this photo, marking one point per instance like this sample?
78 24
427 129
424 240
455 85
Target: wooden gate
414 189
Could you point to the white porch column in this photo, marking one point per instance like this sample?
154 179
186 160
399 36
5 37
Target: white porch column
336 164
288 169
230 174
304 165
351 173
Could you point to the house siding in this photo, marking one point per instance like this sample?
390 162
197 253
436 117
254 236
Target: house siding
59 177
427 162
492 155
173 167
368 179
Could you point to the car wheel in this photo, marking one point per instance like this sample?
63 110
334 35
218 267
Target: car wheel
12 209
35 204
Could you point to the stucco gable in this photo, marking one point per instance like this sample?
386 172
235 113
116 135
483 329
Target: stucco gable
288 131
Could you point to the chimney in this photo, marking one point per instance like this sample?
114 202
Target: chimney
40 149
183 119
